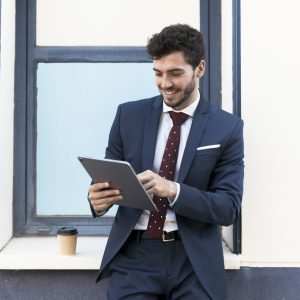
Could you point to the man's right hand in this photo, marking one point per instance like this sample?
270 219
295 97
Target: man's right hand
102 196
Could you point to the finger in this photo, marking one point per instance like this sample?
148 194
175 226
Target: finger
104 194
149 185
145 176
98 186
104 206
142 177
101 204
144 173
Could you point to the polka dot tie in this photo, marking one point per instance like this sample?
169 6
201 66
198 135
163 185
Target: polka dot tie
167 171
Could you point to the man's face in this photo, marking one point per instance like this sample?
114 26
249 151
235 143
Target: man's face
176 80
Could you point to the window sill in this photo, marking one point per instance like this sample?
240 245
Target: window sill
41 253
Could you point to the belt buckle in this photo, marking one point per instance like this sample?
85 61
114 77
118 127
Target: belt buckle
167 240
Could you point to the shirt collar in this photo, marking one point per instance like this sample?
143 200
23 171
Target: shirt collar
190 110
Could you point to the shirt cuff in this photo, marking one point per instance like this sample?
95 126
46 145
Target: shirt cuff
177 195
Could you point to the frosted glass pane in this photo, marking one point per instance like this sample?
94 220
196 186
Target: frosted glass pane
76 105
109 23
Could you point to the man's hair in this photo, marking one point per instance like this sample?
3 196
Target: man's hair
178 37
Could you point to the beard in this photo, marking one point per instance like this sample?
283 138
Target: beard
184 97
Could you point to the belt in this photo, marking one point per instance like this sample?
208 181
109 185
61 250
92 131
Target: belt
166 236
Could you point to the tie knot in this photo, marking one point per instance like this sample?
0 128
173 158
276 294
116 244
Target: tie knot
178 118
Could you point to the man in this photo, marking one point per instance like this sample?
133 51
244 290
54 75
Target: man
175 253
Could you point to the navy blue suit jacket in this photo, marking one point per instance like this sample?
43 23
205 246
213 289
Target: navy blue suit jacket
211 182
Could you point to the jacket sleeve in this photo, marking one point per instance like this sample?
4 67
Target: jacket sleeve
220 203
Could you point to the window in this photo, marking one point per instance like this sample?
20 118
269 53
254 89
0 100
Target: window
75 61
76 104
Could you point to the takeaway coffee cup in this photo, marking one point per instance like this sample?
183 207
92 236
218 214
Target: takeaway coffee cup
67 240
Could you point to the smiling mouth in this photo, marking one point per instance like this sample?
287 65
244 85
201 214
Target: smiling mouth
168 92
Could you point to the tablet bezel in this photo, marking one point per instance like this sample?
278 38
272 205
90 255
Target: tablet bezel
120 175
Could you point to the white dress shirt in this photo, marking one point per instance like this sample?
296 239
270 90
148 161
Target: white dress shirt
165 126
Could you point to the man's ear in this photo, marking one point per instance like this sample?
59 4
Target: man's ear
200 69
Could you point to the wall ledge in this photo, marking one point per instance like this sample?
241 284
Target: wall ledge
42 253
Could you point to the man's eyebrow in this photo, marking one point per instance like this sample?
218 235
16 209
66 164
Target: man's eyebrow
172 70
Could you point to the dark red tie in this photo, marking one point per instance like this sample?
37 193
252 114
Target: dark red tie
167 170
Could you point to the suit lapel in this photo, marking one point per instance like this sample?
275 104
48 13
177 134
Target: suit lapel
150 133
200 119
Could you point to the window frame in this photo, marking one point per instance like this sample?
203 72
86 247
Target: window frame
237 101
28 55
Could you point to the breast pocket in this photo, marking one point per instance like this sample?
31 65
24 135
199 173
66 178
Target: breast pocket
209 152
202 167
205 160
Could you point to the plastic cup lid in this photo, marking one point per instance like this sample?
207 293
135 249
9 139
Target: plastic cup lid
67 231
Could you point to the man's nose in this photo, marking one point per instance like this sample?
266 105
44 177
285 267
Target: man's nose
165 82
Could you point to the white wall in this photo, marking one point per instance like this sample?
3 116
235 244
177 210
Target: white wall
6 117
270 108
109 23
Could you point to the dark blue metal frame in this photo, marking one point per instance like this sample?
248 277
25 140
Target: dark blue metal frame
236 56
236 80
211 28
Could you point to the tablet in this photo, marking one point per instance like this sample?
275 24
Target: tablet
121 176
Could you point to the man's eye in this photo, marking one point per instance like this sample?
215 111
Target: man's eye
158 74
177 73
